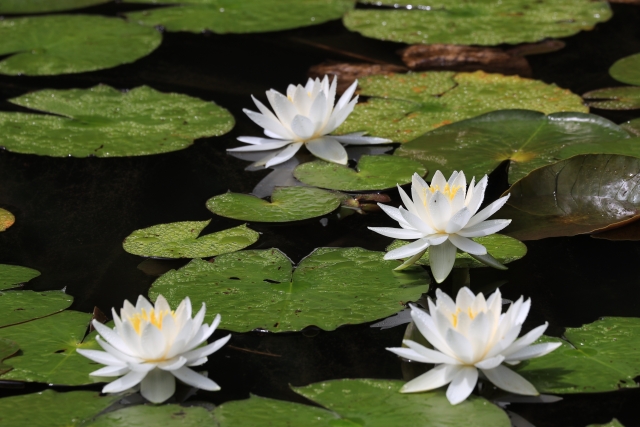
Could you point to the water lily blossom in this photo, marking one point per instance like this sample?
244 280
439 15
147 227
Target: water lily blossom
443 217
470 334
305 116
152 346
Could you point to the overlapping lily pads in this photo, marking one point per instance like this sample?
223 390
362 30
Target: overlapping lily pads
6 219
7 349
372 173
527 139
404 106
331 287
287 204
106 122
63 44
246 16
180 240
615 98
579 195
160 415
627 70
476 23
22 306
632 126
40 6
12 275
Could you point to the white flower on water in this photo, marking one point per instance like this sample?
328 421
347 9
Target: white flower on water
471 334
305 116
442 216
152 346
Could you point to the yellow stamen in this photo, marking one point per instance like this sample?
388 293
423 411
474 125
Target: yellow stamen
155 318
454 316
448 191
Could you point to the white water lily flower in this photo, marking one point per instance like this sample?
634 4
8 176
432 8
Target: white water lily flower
442 216
471 334
305 116
153 346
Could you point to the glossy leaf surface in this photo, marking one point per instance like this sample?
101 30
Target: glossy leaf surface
12 275
22 306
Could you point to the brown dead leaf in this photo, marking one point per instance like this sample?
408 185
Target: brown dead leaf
347 73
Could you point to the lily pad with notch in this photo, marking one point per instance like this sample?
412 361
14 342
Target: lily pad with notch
13 275
7 349
41 6
6 219
329 288
627 70
615 98
23 306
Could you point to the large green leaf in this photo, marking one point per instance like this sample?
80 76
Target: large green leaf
579 195
287 204
62 44
404 106
22 306
180 240
627 70
39 6
52 409
246 16
480 22
48 350
6 219
372 173
600 356
632 126
7 349
615 98
331 287
527 139
12 275
155 415
105 122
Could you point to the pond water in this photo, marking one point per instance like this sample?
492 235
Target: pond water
74 213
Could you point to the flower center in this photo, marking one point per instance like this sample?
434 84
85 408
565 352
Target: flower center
154 317
448 190
454 316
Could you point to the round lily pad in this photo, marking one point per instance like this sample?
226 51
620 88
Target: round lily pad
7 349
180 240
40 6
160 415
6 219
372 173
331 287
476 23
63 44
22 306
627 70
106 122
287 204
615 98
527 139
504 249
246 16
12 275
404 106
632 126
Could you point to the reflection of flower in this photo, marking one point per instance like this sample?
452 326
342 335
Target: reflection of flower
471 334
152 345
305 116
442 217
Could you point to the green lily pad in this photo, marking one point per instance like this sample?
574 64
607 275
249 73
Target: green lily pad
632 126
616 98
600 356
330 287
504 249
40 6
63 44
246 16
612 423
23 306
48 350
52 409
372 173
12 275
6 219
627 70
476 22
579 195
160 415
106 122
7 349
180 240
404 106
527 139
287 204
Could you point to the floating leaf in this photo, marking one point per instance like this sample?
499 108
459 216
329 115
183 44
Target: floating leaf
62 44
48 350
617 98
404 106
39 6
627 70
12 275
22 306
632 126
246 16
6 219
161 415
527 139
503 248
612 423
574 196
331 287
180 240
287 204
372 173
626 232
478 22
52 409
7 349
600 356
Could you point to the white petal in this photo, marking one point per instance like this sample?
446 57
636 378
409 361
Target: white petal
433 355
408 250
318 110
256 141
445 300
462 384
201 352
475 195
142 302
152 341
111 337
141 367
532 351
194 379
101 357
434 378
437 239
162 304
409 354
428 329
338 116
408 204
327 148
284 155
198 362
490 363
394 213
303 127
265 111
459 345
269 124
124 383
438 180
458 221
115 352
110 371
504 378
467 245
439 210
484 228
346 95
415 222
488 211
525 340
441 258
173 364
158 386
397 233
274 145
284 109
358 139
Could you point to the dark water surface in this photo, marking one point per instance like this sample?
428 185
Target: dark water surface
72 214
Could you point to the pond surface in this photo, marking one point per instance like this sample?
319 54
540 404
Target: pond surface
72 214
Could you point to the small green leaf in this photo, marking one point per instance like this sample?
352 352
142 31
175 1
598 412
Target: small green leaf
627 70
287 204
158 415
7 349
617 98
12 275
6 219
23 306
63 44
180 240
39 6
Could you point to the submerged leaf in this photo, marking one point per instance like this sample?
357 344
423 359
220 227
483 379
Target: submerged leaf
23 306
615 98
627 70
12 275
